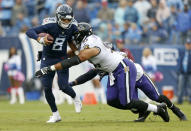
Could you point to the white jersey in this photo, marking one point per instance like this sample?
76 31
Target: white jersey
106 60
14 60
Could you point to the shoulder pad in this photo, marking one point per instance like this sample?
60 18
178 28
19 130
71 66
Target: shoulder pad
49 20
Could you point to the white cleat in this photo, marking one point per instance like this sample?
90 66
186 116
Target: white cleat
77 104
54 119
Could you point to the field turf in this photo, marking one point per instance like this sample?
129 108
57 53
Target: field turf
32 116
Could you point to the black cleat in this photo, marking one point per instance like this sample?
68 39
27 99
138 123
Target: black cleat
142 116
162 112
178 113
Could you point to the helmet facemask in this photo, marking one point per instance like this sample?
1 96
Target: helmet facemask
64 21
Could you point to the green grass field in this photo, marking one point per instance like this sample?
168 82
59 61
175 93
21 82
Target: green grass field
33 116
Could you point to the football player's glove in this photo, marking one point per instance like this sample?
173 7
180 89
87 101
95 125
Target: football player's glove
102 74
43 71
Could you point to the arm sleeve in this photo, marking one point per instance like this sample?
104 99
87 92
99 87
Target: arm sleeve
33 32
87 76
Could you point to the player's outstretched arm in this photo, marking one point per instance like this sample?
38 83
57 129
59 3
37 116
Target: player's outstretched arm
85 77
84 55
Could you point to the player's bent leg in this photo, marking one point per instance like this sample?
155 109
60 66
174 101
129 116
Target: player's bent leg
63 85
47 83
171 106
148 87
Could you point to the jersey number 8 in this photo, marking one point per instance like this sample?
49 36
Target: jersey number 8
58 44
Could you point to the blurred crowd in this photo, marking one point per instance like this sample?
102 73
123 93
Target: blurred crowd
133 21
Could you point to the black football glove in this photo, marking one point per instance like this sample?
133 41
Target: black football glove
43 71
102 74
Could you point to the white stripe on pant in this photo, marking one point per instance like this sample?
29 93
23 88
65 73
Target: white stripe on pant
127 82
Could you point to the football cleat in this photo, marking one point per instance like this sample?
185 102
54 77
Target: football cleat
77 104
142 116
179 113
162 112
54 119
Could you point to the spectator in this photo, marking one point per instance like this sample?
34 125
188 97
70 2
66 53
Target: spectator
184 78
105 14
18 9
80 12
131 14
41 10
71 3
6 12
174 35
121 46
51 6
134 34
125 31
116 32
34 22
93 10
30 7
183 23
148 62
110 35
157 35
163 13
103 31
178 4
144 36
152 12
21 25
142 7
120 13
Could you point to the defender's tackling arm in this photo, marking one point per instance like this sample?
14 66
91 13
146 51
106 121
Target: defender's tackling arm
84 55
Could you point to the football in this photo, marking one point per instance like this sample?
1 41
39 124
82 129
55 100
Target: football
49 37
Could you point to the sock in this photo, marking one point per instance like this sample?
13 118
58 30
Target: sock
56 113
152 108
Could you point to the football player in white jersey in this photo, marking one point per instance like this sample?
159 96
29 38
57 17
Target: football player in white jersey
123 74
